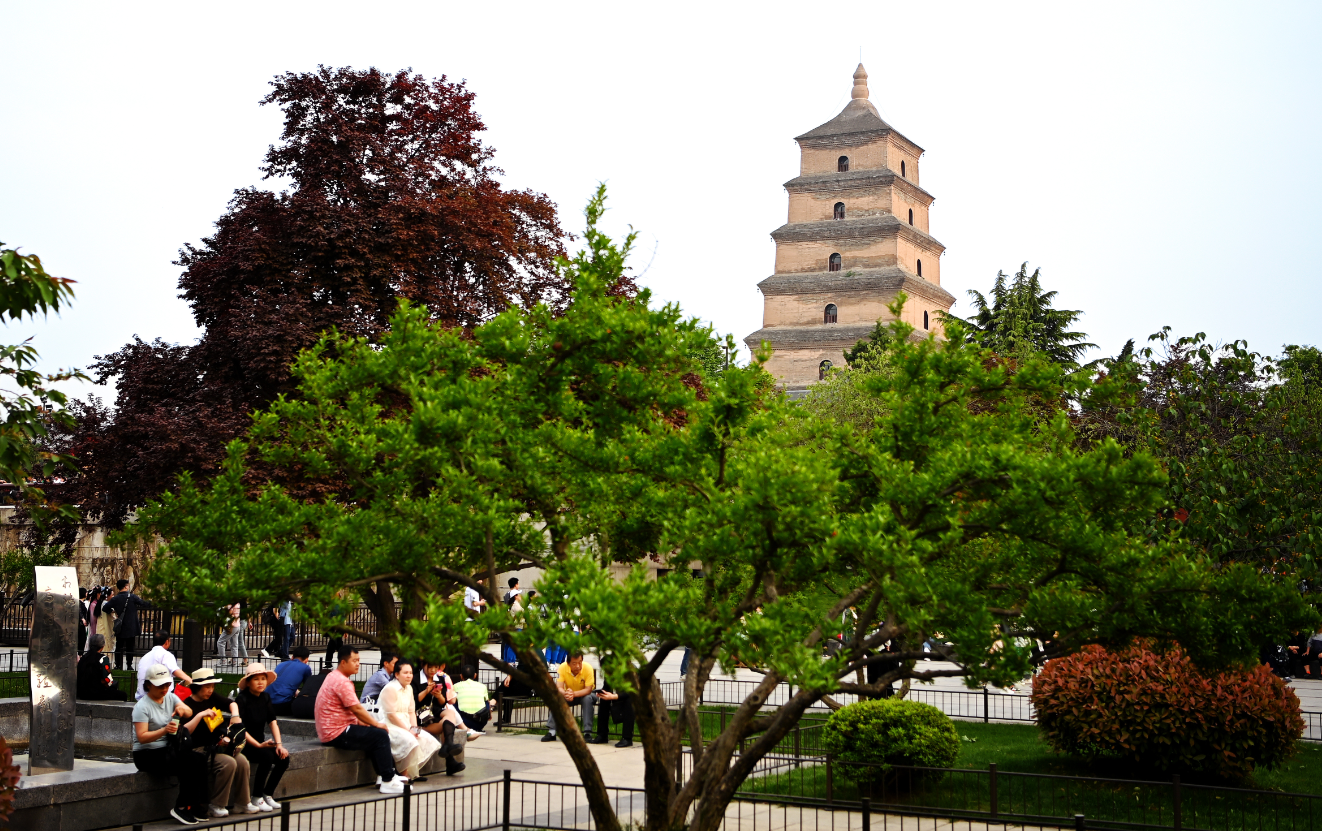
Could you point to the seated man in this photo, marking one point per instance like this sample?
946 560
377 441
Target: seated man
289 676
95 682
160 654
343 722
380 678
304 704
471 697
618 705
578 685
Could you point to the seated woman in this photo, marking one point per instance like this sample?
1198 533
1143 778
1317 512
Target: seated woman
157 717
416 746
230 771
267 756
95 682
446 725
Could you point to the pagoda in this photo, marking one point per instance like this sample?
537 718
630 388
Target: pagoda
857 235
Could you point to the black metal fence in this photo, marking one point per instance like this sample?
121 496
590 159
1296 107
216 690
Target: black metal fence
1023 798
552 806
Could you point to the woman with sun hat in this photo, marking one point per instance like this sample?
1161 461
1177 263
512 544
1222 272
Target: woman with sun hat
267 756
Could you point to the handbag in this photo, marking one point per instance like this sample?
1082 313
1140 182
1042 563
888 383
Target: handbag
425 715
238 739
118 626
178 744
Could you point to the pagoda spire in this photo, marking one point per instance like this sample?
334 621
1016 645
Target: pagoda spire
860 84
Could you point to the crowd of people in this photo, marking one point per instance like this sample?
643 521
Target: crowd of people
228 753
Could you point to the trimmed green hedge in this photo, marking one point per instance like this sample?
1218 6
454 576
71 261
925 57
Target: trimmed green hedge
880 734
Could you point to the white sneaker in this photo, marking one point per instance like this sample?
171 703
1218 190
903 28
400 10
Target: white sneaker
250 808
216 812
378 781
473 734
394 786
261 804
274 806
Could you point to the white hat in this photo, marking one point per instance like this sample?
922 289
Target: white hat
158 675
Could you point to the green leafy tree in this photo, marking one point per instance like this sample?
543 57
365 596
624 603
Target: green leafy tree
1240 435
575 442
30 405
1019 321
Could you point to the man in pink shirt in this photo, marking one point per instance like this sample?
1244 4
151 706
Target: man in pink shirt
343 722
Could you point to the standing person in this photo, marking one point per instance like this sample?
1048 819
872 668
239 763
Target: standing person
156 717
380 678
513 591
230 771
343 722
268 757
271 617
230 644
411 746
84 620
95 683
473 601
125 606
471 697
106 621
289 676
578 685
160 655
287 634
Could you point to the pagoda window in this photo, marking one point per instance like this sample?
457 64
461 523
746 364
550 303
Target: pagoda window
842 164
920 268
823 368
925 321
911 216
840 210
902 173
831 313
833 264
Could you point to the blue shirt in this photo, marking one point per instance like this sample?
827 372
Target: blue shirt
289 676
375 684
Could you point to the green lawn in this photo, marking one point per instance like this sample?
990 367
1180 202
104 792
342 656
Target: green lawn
1018 747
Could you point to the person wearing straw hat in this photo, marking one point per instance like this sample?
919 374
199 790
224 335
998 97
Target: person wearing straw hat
156 717
230 771
268 756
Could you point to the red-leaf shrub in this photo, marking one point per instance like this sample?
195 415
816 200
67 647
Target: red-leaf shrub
1159 712
8 781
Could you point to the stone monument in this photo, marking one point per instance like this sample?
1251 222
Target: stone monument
53 670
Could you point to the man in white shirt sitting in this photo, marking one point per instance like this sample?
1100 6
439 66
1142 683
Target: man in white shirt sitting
160 654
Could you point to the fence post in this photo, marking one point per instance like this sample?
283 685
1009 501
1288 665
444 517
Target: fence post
798 745
192 651
500 708
995 802
505 807
986 705
408 805
1175 795
284 815
1079 824
867 814
830 790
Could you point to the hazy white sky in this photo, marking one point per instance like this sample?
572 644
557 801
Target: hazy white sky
1158 161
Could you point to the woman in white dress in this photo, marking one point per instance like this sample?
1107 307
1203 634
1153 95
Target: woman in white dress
411 746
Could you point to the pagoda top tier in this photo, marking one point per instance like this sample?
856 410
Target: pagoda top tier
858 119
